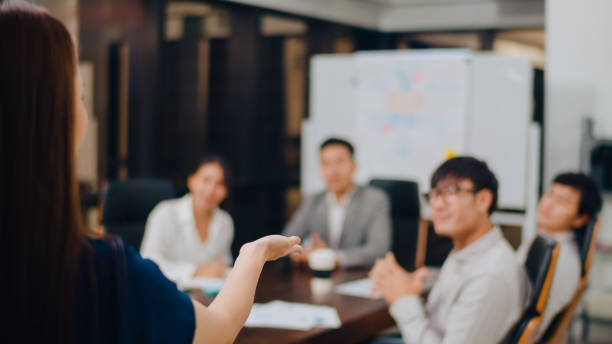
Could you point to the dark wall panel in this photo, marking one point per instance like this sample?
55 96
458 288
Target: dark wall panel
103 24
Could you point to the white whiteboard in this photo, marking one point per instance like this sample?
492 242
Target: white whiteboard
500 116
332 95
406 102
406 111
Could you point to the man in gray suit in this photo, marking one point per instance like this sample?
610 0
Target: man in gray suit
351 219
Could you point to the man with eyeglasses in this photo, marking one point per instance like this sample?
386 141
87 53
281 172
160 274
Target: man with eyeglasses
570 202
478 294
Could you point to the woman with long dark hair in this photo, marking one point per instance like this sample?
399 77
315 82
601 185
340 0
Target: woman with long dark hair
192 236
59 284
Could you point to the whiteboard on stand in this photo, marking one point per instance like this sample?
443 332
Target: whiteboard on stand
405 112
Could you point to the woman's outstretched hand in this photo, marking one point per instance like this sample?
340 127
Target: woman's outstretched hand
274 246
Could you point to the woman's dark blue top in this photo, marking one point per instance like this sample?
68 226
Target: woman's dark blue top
138 305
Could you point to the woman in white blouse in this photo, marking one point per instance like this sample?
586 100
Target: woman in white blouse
191 236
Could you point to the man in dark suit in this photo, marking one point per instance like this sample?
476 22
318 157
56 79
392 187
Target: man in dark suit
351 219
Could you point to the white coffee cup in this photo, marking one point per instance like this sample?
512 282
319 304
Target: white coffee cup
322 261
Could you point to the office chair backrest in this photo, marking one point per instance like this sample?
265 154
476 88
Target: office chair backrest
127 205
405 215
404 196
586 240
438 247
540 267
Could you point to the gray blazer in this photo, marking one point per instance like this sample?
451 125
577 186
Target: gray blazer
366 234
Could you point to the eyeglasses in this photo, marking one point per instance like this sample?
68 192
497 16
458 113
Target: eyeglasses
448 194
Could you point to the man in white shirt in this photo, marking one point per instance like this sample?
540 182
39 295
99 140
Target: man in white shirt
351 219
477 296
570 202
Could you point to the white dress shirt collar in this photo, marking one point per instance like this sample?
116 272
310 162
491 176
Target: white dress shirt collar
331 199
337 216
475 249
186 217
563 236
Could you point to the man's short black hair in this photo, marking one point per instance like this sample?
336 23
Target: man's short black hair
474 170
590 197
338 141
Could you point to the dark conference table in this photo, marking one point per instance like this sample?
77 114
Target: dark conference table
361 318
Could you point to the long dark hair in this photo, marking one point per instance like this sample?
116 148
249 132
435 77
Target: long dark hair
41 237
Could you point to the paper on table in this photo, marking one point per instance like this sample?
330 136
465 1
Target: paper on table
208 285
319 316
263 316
291 315
363 287
359 288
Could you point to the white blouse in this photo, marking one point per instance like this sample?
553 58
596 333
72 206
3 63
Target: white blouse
172 241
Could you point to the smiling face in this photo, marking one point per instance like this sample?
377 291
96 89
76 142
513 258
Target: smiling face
458 211
337 167
558 209
207 186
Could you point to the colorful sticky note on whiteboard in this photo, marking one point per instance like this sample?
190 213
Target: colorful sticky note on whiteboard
449 153
386 129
